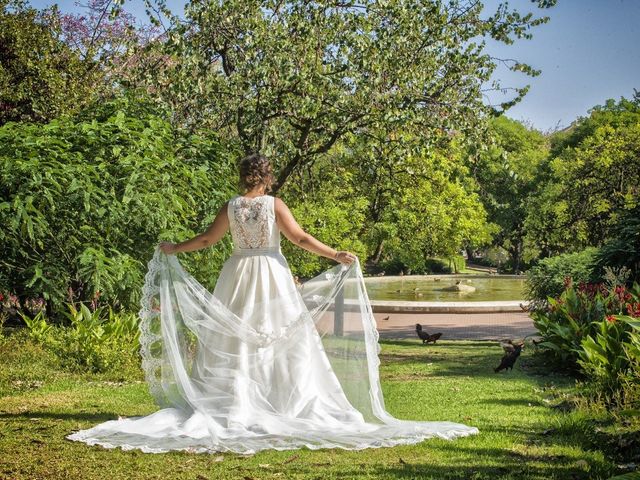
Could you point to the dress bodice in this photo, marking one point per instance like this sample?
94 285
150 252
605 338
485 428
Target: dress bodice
252 222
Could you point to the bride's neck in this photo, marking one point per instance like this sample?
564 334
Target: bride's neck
255 192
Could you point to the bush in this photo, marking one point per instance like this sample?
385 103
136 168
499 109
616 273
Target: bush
595 329
492 257
548 278
611 360
430 265
577 313
95 341
454 264
391 266
86 201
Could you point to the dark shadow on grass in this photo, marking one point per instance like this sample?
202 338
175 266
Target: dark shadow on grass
510 464
89 417
476 358
509 470
515 402
451 366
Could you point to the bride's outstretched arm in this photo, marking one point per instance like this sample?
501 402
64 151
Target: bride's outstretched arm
210 236
290 228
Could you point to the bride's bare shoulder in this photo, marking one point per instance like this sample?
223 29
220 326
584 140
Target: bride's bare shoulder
279 203
281 210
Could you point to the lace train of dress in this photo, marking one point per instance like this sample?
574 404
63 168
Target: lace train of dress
260 363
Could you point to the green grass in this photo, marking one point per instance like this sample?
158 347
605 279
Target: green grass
521 436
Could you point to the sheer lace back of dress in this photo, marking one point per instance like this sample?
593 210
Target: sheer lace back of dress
252 222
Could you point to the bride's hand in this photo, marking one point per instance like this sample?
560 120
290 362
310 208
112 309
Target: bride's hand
345 257
167 247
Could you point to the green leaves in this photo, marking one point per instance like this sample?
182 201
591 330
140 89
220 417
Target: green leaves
41 77
294 80
336 223
86 202
609 358
586 327
507 175
590 181
93 340
546 279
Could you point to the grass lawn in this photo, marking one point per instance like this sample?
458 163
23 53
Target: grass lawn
521 435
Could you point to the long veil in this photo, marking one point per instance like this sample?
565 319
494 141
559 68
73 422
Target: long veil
191 345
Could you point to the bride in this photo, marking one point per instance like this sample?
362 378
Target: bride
260 363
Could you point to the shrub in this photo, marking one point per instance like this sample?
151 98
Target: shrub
547 278
611 359
85 202
577 313
595 329
429 265
96 341
453 264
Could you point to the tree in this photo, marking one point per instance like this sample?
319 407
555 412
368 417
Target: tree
293 78
107 37
507 173
41 77
622 251
435 212
53 64
590 182
404 209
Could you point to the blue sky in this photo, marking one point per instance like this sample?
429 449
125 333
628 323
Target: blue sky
588 52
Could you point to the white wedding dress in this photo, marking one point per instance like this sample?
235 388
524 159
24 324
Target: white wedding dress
261 363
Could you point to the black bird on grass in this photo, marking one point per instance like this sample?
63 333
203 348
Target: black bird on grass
425 337
511 353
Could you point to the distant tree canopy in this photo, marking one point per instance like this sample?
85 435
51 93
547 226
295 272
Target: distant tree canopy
507 174
591 180
41 77
400 209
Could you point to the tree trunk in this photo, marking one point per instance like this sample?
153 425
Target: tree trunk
516 256
378 252
469 254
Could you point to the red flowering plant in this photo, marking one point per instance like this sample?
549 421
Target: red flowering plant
9 301
633 309
577 314
9 306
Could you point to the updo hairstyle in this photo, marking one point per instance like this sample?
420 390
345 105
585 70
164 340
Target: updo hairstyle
255 169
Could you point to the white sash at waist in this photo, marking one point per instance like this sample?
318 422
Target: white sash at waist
248 252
